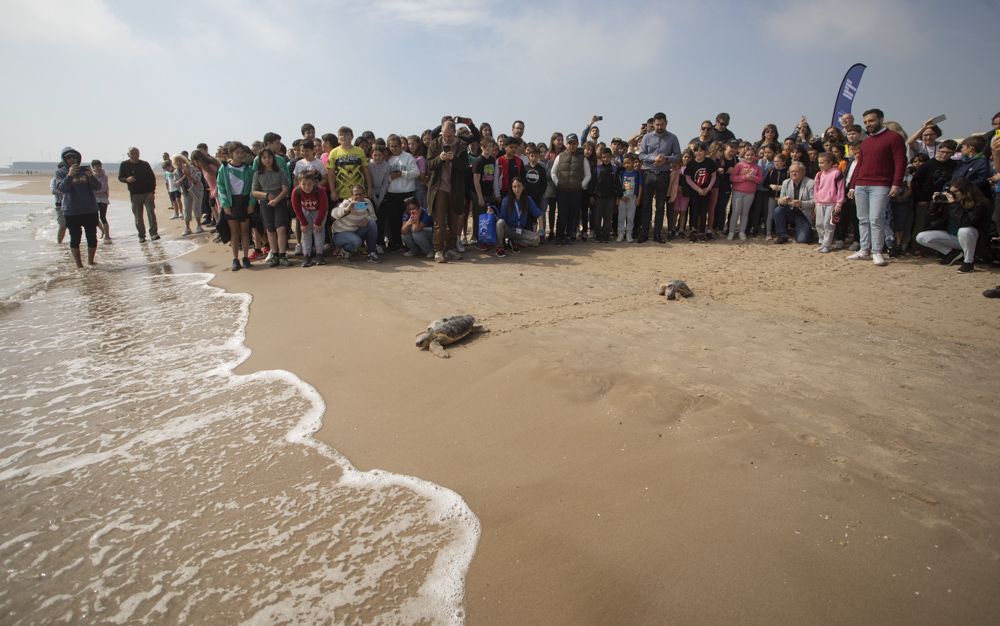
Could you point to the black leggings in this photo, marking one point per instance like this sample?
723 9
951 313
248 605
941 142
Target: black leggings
698 211
79 225
102 211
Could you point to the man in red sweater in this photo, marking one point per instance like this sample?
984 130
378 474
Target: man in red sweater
877 177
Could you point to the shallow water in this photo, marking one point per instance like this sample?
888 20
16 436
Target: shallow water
143 482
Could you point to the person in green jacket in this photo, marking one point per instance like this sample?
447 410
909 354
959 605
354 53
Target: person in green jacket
235 180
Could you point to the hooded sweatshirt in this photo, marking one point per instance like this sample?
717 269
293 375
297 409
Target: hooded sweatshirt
78 191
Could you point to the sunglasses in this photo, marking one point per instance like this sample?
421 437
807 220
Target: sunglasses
723 123
706 128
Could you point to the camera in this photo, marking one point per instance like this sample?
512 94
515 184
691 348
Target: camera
940 197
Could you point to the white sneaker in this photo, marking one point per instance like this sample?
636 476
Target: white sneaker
743 236
270 255
460 245
730 236
345 255
298 249
878 259
860 255
379 249
620 238
823 250
439 257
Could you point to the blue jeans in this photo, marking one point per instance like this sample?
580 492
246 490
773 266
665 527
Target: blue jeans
872 203
351 240
803 229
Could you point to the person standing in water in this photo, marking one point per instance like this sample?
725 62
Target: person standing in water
79 186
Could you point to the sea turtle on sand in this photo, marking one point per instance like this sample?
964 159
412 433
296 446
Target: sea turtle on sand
675 287
445 331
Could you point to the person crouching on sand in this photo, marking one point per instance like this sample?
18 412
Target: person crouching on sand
79 186
354 224
310 203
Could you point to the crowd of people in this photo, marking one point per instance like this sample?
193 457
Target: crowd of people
870 189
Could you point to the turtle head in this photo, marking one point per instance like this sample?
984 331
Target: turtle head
424 340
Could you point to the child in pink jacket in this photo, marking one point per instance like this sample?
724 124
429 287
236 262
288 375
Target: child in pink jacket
828 192
746 174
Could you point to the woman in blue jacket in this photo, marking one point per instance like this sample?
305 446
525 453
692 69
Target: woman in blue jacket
512 222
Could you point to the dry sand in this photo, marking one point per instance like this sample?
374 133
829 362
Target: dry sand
807 440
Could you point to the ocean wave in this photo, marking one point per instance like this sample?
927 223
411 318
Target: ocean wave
153 483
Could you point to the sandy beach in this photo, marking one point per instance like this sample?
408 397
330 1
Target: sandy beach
807 440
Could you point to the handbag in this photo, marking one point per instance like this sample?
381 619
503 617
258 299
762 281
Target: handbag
487 229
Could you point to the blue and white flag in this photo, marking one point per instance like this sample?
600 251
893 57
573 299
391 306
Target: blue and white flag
848 88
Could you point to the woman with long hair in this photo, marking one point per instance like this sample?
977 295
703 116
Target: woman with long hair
768 135
270 188
556 146
512 222
955 220
209 167
419 152
187 180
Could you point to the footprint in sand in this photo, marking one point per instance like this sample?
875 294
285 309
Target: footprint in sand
809 440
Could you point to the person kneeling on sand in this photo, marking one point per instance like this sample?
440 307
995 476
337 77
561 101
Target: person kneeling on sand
512 222
79 203
417 230
354 223
955 220
795 204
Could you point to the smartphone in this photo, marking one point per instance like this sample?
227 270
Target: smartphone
600 118
446 147
360 206
997 133
937 119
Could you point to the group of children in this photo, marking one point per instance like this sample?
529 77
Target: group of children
334 192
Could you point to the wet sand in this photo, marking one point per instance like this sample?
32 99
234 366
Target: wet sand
807 440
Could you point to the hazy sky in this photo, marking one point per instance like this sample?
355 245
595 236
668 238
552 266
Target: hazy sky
102 75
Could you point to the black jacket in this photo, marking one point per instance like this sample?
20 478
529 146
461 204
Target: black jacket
145 179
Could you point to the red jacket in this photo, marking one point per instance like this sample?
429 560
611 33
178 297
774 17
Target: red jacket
881 161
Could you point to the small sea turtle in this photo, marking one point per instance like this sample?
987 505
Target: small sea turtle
675 287
445 331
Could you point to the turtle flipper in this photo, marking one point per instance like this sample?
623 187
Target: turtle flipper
439 350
